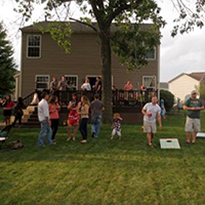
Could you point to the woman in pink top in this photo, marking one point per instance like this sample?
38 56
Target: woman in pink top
8 105
54 114
128 86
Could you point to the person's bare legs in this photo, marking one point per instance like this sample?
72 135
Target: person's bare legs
149 138
194 137
188 137
75 131
69 132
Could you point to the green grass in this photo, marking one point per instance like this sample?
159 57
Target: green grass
104 171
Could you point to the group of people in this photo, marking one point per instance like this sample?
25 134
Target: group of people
10 108
64 85
78 115
152 113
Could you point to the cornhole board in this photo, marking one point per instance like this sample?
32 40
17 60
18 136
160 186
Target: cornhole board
200 134
169 143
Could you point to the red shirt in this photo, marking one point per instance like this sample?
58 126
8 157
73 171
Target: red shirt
9 105
54 111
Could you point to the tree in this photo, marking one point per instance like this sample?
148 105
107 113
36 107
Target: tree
7 65
191 15
130 42
168 98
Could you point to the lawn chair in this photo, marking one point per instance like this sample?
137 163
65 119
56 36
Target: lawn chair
4 134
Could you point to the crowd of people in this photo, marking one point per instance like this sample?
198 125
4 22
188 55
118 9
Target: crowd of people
79 111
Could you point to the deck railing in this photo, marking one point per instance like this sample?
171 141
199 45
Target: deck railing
120 98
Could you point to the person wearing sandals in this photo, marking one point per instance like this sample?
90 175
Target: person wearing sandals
8 105
54 109
73 117
84 113
193 106
151 112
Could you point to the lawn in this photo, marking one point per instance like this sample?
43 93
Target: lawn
104 172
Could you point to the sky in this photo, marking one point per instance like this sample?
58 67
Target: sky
181 54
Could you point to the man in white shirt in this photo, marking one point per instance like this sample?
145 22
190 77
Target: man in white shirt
151 112
43 116
86 86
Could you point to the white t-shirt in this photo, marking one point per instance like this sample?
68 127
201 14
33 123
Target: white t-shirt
86 86
43 110
154 110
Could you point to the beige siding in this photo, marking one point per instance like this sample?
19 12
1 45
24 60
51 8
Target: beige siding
83 60
182 86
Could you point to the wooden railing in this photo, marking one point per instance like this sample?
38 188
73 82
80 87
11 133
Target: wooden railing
119 97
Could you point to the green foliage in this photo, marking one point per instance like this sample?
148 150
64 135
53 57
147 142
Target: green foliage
7 65
168 98
191 15
201 89
60 32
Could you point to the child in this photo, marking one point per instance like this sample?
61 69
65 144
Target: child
116 126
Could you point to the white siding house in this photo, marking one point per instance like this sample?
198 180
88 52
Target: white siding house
182 85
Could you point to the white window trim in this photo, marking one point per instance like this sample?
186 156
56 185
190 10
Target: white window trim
36 76
76 79
148 76
95 76
30 57
155 55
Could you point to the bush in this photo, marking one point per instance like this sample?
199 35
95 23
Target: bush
168 98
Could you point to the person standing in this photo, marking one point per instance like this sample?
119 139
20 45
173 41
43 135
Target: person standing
98 85
193 106
43 116
54 109
53 86
8 105
84 113
18 111
151 112
128 86
86 85
73 117
96 109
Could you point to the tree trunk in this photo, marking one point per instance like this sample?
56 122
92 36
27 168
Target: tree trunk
106 76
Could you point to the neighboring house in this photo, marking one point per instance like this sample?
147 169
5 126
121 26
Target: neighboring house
182 85
164 86
42 58
17 93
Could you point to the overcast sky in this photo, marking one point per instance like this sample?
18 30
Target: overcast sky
184 53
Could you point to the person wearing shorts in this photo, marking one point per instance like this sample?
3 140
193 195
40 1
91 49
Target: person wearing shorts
151 112
193 106
73 117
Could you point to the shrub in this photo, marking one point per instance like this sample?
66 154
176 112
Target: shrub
168 98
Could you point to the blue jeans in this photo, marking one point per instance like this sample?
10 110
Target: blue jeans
95 125
45 130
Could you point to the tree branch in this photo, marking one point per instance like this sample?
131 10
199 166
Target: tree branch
84 23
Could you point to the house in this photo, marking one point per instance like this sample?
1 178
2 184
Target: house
182 85
42 58
164 86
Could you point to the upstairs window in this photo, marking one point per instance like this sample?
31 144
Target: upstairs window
151 55
33 46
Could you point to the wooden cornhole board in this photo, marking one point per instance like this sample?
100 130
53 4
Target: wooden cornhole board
170 143
200 134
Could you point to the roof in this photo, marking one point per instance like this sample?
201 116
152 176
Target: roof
195 75
76 27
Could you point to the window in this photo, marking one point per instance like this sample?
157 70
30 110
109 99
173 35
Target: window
72 79
151 55
34 46
42 82
149 81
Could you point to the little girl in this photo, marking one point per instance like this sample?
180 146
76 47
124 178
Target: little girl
116 126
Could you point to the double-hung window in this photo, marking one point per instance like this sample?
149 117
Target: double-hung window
33 46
